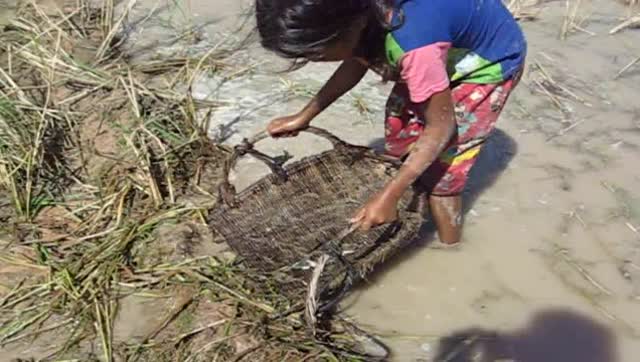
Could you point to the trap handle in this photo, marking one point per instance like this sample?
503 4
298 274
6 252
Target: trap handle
228 191
335 141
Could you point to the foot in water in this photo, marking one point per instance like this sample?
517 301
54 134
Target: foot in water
446 213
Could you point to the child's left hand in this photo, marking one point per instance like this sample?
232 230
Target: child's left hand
380 209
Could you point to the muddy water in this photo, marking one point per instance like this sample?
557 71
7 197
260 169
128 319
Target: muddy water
550 265
548 270
7 10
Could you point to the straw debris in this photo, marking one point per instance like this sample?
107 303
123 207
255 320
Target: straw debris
524 9
575 19
97 158
631 22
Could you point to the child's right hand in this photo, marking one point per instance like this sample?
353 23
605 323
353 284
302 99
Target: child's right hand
288 126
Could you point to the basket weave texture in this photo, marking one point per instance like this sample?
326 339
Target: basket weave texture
288 219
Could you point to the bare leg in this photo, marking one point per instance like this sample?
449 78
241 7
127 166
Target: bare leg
420 203
446 212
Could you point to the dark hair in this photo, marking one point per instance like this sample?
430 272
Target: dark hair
303 29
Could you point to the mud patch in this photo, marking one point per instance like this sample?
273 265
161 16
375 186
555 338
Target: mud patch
175 243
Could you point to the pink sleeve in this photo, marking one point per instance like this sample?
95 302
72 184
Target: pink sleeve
425 71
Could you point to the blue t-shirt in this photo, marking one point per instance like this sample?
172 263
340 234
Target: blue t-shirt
486 43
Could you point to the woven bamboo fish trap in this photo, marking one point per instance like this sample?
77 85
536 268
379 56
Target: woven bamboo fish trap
293 223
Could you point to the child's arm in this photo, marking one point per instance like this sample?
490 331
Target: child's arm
345 77
438 131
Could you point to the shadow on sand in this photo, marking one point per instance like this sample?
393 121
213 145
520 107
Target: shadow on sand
554 335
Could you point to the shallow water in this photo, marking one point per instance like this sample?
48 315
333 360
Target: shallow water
7 10
549 269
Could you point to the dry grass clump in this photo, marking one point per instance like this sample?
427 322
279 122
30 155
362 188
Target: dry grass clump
97 157
630 2
524 9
